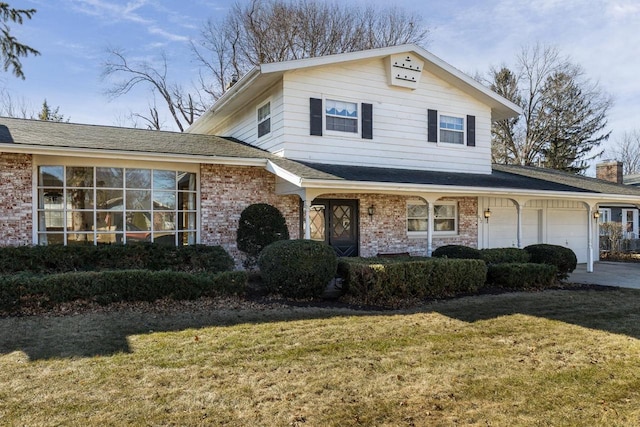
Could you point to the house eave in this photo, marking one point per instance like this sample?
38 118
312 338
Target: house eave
131 155
402 188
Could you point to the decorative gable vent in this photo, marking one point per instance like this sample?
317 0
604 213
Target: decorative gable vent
405 70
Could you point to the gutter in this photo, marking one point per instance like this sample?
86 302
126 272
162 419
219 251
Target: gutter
129 155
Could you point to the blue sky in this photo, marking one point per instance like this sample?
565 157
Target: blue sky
601 35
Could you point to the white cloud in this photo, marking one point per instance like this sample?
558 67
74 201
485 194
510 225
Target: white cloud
132 11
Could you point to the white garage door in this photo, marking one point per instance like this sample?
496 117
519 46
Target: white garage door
568 227
503 227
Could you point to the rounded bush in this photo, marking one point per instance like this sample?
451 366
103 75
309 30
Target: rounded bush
297 268
456 251
563 258
504 255
260 225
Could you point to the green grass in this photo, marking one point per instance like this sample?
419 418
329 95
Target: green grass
548 358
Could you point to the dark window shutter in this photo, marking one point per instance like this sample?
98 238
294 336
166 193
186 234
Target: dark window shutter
432 128
316 116
367 121
471 131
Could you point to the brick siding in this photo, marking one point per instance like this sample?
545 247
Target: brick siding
16 205
225 191
386 230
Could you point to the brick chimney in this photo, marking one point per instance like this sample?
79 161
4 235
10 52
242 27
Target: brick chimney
610 170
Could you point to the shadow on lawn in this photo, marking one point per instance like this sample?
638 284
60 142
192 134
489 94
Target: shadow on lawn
106 333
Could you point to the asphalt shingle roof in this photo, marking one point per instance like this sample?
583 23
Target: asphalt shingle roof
79 136
70 135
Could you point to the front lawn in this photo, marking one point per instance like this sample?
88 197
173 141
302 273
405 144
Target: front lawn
562 357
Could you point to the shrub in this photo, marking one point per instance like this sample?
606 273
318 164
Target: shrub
111 286
504 255
297 268
260 225
522 275
149 256
563 258
386 282
457 252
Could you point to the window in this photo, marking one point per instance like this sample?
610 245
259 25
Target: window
417 217
630 223
341 116
605 216
445 218
451 129
264 119
96 205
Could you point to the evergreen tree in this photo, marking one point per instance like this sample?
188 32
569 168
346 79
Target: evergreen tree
51 115
12 49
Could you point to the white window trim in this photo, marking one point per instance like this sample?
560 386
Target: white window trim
45 160
464 129
268 134
456 218
416 234
423 234
358 133
633 234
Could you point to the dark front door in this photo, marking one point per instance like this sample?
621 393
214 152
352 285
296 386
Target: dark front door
335 222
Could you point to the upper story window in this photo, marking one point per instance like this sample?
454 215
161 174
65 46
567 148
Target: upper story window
341 116
264 119
451 129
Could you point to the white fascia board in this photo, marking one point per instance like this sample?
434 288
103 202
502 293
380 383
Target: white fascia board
240 86
283 173
132 155
358 186
281 67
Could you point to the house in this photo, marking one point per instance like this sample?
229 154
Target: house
379 151
624 213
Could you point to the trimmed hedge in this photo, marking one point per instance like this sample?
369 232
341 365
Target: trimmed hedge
563 258
384 281
105 287
456 252
297 268
148 256
504 255
522 275
260 225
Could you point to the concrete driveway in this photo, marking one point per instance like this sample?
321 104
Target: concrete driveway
623 274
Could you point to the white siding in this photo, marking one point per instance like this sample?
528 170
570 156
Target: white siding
557 222
243 124
399 120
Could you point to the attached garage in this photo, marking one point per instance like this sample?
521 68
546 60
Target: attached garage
555 222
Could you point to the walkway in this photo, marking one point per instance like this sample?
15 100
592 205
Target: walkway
623 274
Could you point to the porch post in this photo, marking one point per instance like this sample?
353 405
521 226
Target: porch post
590 239
307 217
519 223
430 227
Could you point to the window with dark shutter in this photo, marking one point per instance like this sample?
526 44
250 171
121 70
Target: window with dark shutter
367 121
471 131
315 116
432 128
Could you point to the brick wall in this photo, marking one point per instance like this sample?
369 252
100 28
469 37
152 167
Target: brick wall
386 231
16 225
225 191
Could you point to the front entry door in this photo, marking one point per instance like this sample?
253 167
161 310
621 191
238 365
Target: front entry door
335 222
